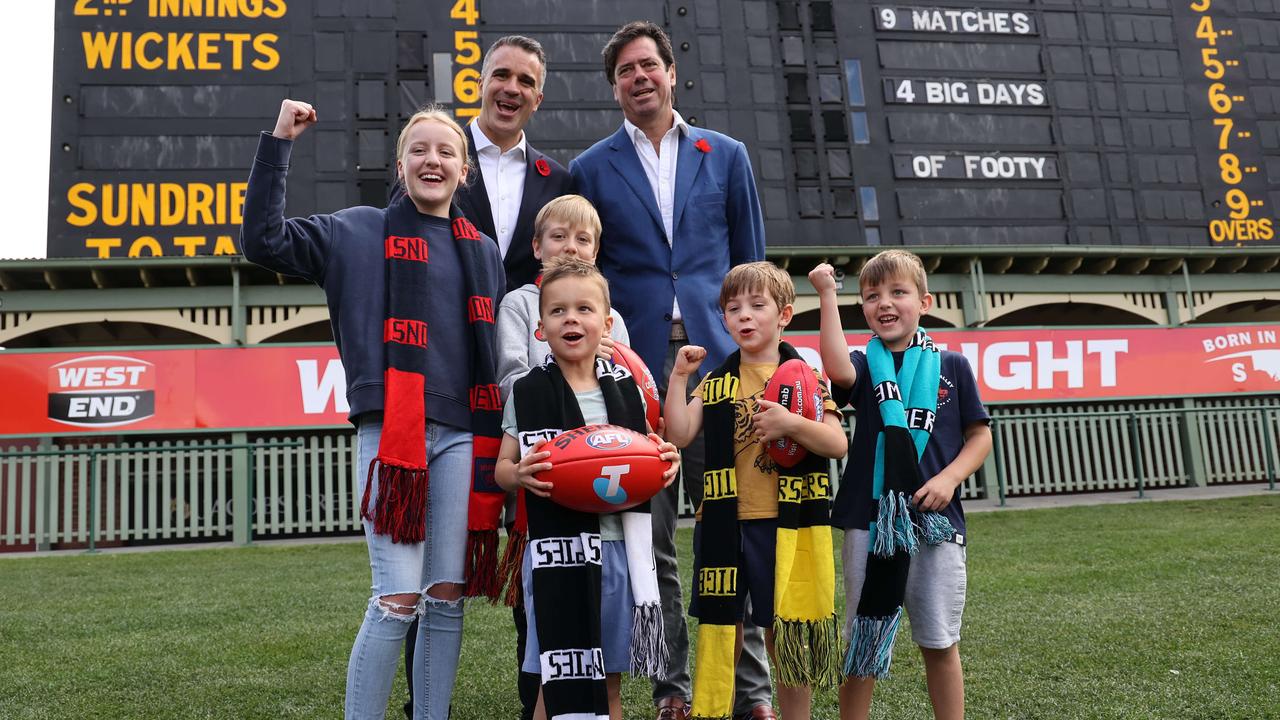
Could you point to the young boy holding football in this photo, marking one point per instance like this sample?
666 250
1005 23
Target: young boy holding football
921 431
590 591
760 526
568 226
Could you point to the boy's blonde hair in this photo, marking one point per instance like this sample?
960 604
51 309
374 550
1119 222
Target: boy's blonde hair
572 210
894 264
433 113
567 266
762 276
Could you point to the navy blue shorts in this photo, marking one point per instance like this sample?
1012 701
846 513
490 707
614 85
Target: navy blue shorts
757 548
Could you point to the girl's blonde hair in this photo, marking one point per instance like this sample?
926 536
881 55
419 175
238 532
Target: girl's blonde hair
438 114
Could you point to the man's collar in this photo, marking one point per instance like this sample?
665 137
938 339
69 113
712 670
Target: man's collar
482 141
636 134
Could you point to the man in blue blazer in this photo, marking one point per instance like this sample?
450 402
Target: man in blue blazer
678 208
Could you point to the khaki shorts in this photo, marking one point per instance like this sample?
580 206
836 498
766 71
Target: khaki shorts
935 589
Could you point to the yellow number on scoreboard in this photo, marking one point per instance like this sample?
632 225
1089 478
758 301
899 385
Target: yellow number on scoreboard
1219 100
1229 167
1205 32
1225 135
1213 68
465 10
464 41
466 85
1201 5
1239 203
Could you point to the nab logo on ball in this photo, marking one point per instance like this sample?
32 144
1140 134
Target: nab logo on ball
102 391
608 440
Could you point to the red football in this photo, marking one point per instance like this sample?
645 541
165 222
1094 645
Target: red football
795 387
626 357
603 468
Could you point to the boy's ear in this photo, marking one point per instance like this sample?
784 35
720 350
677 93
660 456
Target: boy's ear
608 322
537 249
926 303
784 317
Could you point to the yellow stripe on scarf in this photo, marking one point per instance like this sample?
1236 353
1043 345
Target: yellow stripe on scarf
806 638
713 688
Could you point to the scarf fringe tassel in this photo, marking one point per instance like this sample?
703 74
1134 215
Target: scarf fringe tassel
649 653
871 646
895 530
935 528
482 564
808 652
511 568
401 508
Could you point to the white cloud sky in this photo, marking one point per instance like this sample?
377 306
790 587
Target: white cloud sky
26 54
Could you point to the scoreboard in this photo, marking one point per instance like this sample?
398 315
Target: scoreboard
1001 122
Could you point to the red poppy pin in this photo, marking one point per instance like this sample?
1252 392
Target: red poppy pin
703 145
544 169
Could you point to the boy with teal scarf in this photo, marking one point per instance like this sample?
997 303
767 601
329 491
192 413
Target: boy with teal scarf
920 432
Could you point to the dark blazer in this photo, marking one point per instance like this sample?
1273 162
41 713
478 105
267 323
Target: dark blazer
473 200
716 224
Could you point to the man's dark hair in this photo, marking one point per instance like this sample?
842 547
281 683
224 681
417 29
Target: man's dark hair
527 44
634 31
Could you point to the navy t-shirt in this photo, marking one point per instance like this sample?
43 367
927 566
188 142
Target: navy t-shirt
958 406
449 332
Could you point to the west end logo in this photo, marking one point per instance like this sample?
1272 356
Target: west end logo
608 440
102 391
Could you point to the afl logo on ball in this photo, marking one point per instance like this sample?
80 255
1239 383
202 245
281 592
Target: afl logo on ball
608 440
102 391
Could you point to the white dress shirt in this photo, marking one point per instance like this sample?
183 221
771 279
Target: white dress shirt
660 170
503 174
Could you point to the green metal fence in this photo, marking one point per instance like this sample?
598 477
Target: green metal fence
1135 446
300 484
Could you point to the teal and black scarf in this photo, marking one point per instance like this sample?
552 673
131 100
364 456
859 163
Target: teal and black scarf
908 402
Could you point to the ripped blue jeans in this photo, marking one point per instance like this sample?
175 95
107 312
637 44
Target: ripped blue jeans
400 568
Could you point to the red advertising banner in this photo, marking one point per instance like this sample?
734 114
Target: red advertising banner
292 386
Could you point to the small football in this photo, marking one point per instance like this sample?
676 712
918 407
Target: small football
795 387
624 356
603 468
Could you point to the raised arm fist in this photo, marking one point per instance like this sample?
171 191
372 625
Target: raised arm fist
823 278
295 116
688 360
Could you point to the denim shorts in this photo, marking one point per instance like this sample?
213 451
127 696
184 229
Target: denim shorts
757 553
413 567
935 589
615 610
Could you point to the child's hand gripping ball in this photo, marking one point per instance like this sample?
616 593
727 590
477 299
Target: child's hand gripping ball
794 387
603 468
624 356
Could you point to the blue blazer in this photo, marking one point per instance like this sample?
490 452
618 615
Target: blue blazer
716 224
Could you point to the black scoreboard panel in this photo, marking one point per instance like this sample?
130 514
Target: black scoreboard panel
1101 122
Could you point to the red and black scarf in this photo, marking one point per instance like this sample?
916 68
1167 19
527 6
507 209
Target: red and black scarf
401 464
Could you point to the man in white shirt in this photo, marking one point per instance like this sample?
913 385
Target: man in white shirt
514 179
678 207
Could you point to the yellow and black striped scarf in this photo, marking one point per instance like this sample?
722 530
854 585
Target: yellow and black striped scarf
806 638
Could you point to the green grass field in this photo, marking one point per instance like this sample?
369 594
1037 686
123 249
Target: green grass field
1155 610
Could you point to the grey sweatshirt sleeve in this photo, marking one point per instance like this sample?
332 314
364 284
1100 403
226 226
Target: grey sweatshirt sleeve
619 331
514 329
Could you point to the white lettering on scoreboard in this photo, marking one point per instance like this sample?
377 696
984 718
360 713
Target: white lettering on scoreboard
975 166
965 92
955 20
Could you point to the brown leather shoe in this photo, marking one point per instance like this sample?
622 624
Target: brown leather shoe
672 708
760 712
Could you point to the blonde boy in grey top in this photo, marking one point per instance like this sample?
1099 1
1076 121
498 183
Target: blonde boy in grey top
568 225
